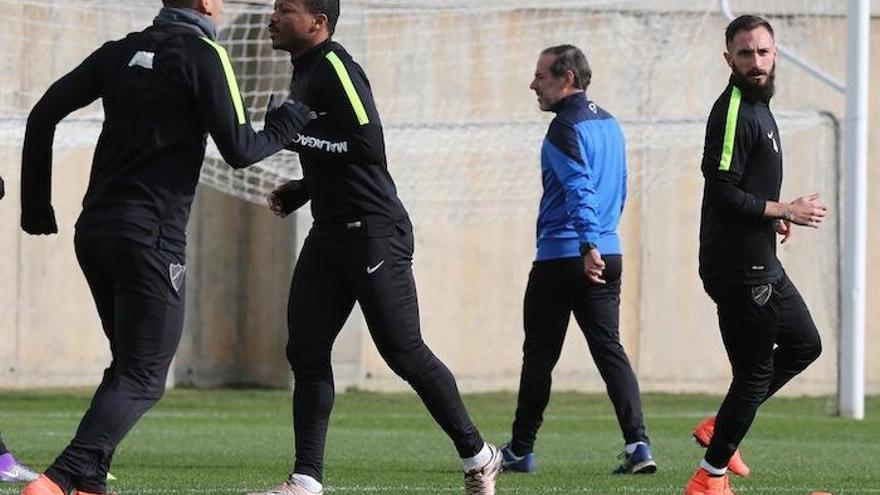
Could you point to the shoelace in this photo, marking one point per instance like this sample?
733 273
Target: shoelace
476 483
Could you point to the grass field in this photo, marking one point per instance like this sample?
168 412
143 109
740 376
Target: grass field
226 442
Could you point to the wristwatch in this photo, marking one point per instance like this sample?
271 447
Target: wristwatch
587 247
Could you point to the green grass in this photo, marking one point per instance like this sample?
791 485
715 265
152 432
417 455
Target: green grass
226 442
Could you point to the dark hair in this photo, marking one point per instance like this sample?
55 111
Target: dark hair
746 23
179 4
330 8
570 58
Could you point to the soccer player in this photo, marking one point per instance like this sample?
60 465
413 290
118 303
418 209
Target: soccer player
163 90
359 249
578 264
766 328
11 469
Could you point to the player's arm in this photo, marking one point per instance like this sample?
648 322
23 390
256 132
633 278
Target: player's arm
576 176
729 138
289 197
574 172
345 93
73 91
222 111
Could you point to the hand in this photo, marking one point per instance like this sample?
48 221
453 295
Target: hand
807 211
594 265
783 228
39 222
288 197
287 117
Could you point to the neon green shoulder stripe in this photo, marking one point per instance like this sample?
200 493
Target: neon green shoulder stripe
730 128
353 97
230 80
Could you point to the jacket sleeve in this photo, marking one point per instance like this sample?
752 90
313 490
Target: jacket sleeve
356 134
575 173
73 91
729 138
222 111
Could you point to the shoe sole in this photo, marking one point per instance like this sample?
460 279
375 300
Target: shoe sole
645 467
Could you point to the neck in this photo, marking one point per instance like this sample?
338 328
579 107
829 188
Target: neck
299 52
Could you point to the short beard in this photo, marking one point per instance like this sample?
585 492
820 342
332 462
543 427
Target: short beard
752 90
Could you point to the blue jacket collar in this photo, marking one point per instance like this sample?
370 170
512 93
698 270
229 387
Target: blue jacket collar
579 98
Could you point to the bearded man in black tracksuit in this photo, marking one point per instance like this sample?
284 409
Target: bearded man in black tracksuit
359 249
765 325
163 90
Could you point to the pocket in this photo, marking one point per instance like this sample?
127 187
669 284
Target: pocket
404 232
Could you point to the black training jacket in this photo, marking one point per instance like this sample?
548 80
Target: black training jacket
742 167
163 90
342 149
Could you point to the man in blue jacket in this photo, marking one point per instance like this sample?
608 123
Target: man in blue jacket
578 265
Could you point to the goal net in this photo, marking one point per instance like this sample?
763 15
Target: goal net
463 131
451 82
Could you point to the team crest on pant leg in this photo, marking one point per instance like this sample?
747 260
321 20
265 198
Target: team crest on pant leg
176 273
761 294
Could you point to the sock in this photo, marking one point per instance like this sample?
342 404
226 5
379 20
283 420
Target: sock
712 470
631 447
481 459
2 447
307 482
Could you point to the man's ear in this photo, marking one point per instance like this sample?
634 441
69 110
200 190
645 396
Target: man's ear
729 59
204 7
321 21
570 79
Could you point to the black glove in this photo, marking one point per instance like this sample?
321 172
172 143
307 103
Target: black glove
287 117
38 220
291 196
2 188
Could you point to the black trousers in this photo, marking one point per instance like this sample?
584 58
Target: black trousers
770 338
557 288
139 294
333 271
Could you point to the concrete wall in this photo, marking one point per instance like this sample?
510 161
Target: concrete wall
471 272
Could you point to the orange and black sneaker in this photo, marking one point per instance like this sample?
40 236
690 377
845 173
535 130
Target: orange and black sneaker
42 486
703 435
703 483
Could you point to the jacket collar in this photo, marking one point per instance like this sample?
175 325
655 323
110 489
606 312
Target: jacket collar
201 24
313 54
579 98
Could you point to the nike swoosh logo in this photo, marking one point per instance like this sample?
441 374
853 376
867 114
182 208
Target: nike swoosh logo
372 269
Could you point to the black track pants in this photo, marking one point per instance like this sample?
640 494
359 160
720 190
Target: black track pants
335 270
770 338
556 289
139 294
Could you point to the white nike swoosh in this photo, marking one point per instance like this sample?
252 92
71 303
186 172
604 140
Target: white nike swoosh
372 269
